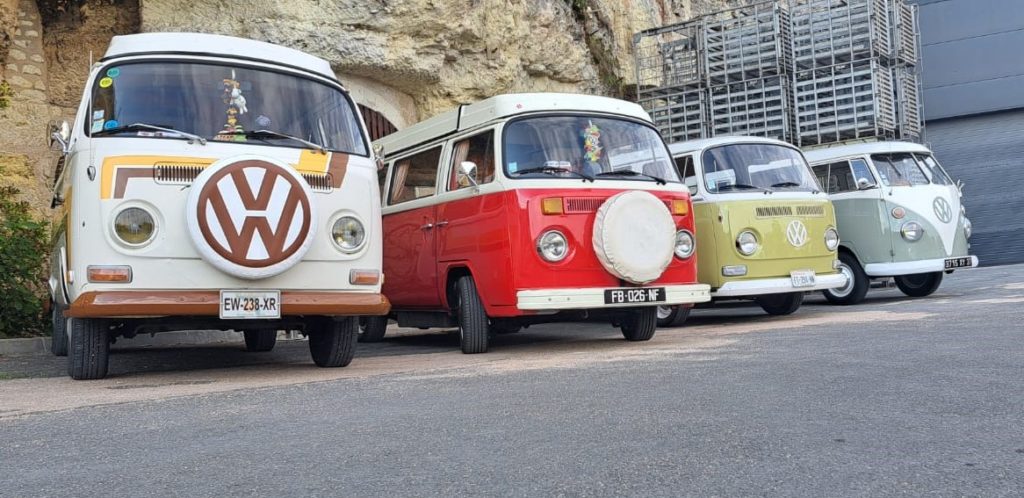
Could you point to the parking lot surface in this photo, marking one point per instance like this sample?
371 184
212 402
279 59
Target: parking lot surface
895 396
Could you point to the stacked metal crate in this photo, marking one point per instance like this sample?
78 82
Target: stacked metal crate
747 60
843 82
670 79
906 70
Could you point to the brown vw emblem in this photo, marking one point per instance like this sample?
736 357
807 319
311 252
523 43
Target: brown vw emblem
254 213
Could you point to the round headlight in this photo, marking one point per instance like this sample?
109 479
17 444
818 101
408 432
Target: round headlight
746 243
684 244
552 246
831 239
968 227
912 231
134 226
348 234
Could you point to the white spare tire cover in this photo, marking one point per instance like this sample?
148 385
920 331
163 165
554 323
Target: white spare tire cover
634 236
251 216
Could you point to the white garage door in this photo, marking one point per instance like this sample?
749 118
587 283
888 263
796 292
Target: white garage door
987 153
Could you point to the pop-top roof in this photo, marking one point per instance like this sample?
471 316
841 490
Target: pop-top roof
503 106
215 45
818 155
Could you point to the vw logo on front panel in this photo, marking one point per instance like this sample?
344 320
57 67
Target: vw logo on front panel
942 210
796 233
251 217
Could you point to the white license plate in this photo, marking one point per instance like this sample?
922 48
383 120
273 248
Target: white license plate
250 304
802 278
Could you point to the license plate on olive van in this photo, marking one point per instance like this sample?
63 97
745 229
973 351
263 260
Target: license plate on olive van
631 296
802 278
959 263
250 304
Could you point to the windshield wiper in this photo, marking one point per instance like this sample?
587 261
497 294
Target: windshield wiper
629 172
552 170
144 126
737 186
271 133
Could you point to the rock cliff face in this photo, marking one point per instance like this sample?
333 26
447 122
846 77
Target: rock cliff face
419 57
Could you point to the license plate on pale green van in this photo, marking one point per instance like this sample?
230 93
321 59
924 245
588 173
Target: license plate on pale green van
802 278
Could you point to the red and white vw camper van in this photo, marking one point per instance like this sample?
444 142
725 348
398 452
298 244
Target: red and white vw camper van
531 208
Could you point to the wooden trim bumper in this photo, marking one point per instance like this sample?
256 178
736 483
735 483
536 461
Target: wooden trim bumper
110 304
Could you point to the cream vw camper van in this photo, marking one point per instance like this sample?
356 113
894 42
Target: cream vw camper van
899 215
211 182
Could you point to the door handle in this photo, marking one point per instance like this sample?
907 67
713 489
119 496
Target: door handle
441 223
428 226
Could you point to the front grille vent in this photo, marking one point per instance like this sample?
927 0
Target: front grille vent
319 182
176 174
816 211
774 211
583 204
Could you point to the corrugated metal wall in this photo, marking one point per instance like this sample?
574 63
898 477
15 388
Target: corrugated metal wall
987 153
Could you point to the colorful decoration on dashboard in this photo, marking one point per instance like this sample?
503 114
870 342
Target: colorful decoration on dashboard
232 96
592 142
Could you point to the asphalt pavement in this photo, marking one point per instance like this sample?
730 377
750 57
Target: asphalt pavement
897 396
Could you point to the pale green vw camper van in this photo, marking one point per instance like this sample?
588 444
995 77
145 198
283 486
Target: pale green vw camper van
899 215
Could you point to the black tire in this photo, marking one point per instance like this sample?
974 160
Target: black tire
640 324
857 286
372 328
672 316
59 331
919 285
473 330
332 341
781 304
259 341
89 349
500 327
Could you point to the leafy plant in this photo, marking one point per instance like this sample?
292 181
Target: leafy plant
23 249
6 92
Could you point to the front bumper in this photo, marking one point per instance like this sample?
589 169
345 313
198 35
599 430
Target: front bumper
141 303
777 286
592 298
912 267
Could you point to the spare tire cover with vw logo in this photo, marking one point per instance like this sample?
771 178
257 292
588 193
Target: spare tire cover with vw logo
251 216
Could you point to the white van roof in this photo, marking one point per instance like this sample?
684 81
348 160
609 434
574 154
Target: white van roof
689 146
503 106
818 155
215 45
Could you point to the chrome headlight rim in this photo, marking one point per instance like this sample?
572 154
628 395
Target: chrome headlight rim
968 227
130 210
831 238
748 239
679 250
547 243
356 232
912 231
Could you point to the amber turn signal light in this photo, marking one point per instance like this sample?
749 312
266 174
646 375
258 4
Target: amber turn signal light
551 205
680 207
109 274
363 277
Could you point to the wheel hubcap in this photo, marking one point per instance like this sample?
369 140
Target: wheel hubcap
848 288
664 312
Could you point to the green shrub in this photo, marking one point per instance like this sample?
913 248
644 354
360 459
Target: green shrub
23 255
6 92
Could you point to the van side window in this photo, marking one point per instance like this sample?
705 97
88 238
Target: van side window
862 173
478 149
684 165
415 177
835 177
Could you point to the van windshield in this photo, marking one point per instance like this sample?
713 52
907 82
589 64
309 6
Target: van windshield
899 169
224 103
585 146
756 167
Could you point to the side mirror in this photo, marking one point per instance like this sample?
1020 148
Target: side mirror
467 171
864 184
378 154
60 133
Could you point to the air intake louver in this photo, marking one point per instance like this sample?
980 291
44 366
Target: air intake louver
816 211
319 182
176 174
583 204
774 211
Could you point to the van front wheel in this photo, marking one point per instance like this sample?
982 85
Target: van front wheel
372 328
920 285
59 338
672 316
332 341
640 324
89 349
856 282
258 341
781 304
473 330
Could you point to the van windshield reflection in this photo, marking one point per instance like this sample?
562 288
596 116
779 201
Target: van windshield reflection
756 167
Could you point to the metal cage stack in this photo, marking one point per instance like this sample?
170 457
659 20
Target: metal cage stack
805 71
670 80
